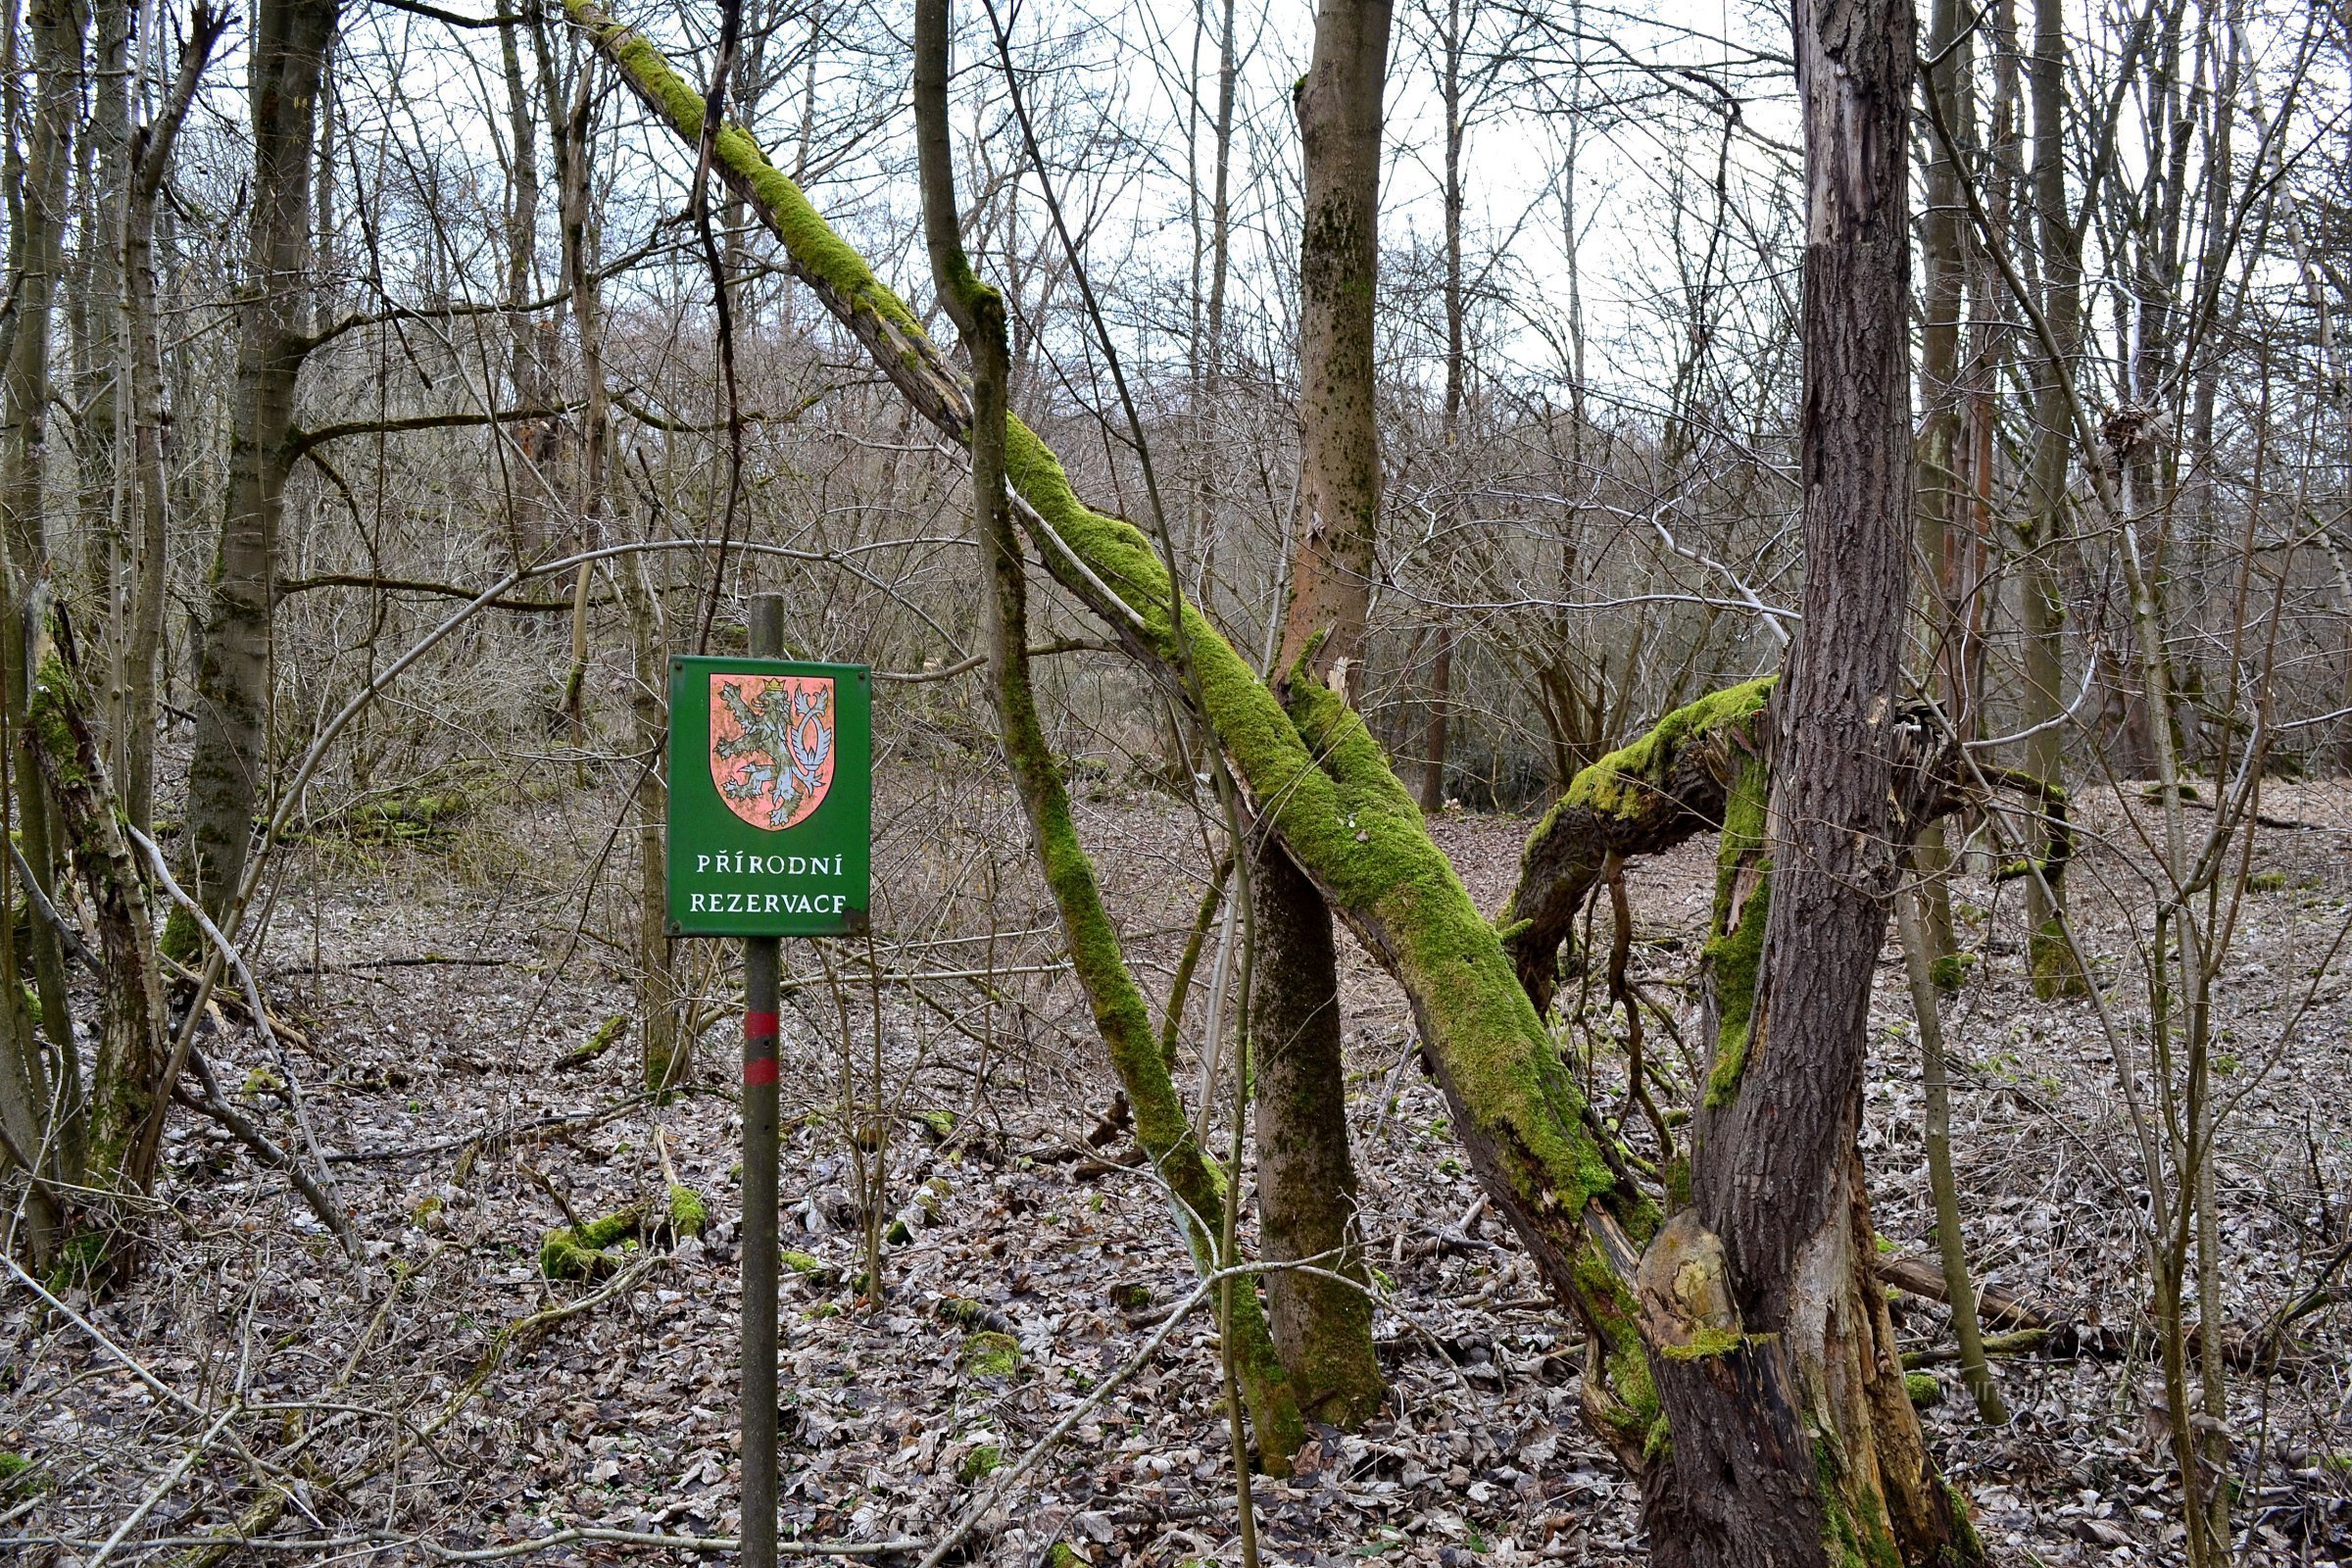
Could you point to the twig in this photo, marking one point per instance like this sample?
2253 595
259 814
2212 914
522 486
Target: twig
171 1479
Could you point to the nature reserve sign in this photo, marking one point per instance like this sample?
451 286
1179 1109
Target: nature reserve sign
772 798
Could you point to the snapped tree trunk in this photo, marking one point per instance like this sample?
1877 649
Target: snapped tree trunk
233 668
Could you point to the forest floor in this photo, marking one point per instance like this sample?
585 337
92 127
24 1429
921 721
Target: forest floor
411 1421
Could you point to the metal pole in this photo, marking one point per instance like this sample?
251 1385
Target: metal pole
760 1030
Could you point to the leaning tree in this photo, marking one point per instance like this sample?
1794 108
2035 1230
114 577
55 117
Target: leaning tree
1743 1367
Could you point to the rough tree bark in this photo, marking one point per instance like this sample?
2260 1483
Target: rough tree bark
1794 1440
232 672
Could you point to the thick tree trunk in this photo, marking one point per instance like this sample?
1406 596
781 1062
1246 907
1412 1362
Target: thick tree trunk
233 669
1795 1441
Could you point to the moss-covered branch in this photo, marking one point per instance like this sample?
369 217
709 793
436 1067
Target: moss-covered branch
1641 799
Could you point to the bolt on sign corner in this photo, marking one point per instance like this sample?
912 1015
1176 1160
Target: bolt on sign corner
772 796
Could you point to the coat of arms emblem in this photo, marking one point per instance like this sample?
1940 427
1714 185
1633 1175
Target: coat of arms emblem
771 745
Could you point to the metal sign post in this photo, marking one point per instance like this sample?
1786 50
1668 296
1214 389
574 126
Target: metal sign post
770 830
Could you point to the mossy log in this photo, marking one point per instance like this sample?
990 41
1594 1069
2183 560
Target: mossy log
597 1248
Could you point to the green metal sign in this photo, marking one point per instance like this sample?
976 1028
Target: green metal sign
772 796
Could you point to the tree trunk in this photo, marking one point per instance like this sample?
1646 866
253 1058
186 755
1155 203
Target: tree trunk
1338 106
1437 733
41 1064
1307 1173
130 723
2049 959
233 669
1777 1370
1940 520
129 1088
107 156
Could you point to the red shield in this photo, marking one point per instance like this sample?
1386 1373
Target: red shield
771 745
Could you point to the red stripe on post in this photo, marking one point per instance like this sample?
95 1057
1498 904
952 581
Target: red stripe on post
758 1072
759 1026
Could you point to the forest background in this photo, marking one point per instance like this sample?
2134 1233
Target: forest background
388 391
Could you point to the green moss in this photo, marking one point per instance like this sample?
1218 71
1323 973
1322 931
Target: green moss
1064 1556
939 1123
1849 1541
2051 965
687 1214
2267 881
1950 973
586 1254
605 1037
1704 1343
1923 1389
979 1463
1735 954
990 1355
1627 779
812 1270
